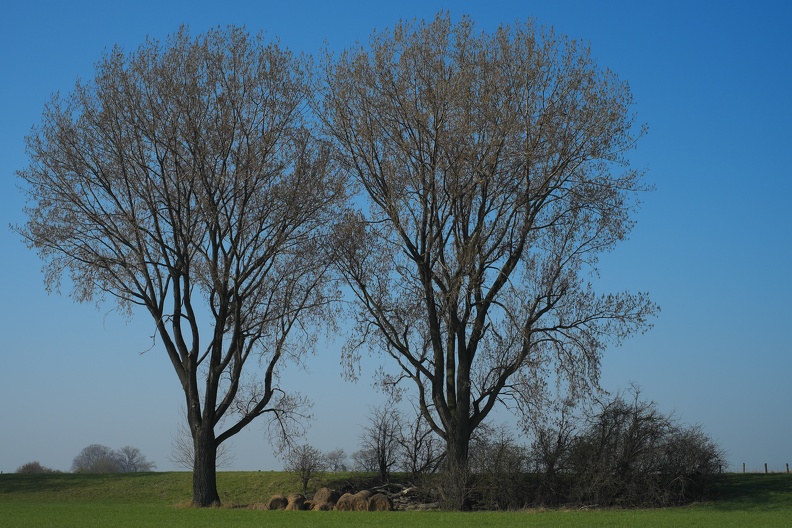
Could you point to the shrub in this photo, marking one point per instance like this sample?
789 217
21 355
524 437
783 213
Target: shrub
35 467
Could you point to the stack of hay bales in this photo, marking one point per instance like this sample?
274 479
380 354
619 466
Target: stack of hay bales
326 499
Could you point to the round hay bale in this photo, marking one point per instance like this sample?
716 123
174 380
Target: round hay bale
365 494
344 502
380 502
326 495
277 502
296 501
360 500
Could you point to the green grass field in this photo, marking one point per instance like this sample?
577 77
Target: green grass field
159 500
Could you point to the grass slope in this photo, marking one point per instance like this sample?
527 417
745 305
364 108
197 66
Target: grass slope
159 499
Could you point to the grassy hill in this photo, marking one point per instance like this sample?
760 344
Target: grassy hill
159 499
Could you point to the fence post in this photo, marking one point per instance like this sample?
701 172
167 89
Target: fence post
743 467
787 468
765 468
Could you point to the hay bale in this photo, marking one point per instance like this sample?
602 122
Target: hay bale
380 502
296 501
277 502
323 506
326 495
357 502
344 502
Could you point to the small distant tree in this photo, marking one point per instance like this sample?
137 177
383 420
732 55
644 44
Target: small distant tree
379 442
35 467
96 458
131 460
335 460
421 450
183 450
307 462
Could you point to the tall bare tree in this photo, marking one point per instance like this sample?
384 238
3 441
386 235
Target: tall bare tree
494 172
185 180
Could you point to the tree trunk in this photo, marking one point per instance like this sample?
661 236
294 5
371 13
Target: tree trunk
205 470
456 480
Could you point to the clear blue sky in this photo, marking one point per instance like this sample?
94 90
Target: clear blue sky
713 244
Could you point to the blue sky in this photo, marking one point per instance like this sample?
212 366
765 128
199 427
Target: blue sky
713 243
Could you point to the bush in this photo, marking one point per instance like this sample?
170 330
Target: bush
624 452
631 454
35 467
500 472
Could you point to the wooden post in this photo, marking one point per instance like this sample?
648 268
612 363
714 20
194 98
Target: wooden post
787 468
743 467
765 468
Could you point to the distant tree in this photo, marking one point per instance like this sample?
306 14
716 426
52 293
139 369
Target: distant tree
307 462
421 450
185 180
131 460
493 173
335 460
182 450
379 442
35 467
96 458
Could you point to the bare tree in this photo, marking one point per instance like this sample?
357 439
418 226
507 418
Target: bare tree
421 449
131 460
184 180
307 462
494 172
335 460
96 458
182 450
379 442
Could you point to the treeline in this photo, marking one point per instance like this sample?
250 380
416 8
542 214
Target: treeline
620 452
624 452
97 458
